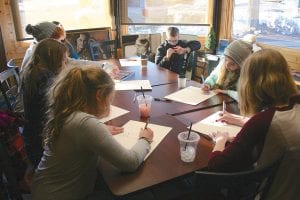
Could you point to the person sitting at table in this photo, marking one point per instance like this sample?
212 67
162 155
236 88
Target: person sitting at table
269 96
171 53
56 31
224 78
75 138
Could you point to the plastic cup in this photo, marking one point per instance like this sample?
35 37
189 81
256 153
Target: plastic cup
144 105
188 145
144 62
181 82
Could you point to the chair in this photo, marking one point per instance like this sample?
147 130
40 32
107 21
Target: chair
102 50
12 64
251 184
9 84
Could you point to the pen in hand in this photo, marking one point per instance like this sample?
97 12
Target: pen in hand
146 124
224 107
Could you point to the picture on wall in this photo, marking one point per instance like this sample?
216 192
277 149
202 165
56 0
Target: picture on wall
92 44
141 45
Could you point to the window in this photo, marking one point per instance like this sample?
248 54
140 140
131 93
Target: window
154 16
275 22
73 14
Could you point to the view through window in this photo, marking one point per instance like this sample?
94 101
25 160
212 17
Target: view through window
73 14
275 22
153 16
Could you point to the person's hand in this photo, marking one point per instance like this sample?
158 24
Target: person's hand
220 136
205 87
230 118
180 50
147 134
114 130
170 51
219 91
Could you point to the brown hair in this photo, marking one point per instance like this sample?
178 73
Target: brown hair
75 90
173 31
48 57
265 81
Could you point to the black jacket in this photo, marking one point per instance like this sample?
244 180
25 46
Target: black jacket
175 63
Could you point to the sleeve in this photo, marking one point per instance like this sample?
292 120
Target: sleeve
194 45
239 154
233 94
212 78
97 139
160 57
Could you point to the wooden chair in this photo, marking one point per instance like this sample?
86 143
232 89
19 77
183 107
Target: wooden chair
251 184
9 84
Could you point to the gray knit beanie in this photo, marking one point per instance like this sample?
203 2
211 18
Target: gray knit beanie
238 51
41 30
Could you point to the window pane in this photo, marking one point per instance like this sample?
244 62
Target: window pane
165 11
275 22
73 14
147 29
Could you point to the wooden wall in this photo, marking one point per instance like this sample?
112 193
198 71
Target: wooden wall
291 55
13 48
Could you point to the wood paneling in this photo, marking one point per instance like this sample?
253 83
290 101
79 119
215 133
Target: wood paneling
291 55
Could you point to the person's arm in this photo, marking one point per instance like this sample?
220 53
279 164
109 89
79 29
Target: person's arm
97 139
193 45
161 57
212 78
238 155
233 94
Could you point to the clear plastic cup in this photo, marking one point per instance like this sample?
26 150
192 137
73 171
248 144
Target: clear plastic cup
144 103
188 145
181 82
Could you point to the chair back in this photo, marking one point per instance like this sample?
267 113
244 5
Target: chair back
251 184
9 84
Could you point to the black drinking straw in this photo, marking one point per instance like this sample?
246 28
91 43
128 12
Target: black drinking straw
188 137
143 95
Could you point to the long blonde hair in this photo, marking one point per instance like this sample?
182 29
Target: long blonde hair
75 90
231 85
265 81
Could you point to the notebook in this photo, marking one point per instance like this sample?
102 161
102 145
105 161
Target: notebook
131 134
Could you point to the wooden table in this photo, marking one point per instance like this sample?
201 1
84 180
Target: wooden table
164 163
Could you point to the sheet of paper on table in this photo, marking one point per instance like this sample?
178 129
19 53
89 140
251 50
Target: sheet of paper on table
131 134
133 85
114 113
190 95
130 62
209 125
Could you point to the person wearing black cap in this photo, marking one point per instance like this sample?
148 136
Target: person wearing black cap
225 76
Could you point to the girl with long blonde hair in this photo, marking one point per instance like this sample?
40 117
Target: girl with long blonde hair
269 96
75 138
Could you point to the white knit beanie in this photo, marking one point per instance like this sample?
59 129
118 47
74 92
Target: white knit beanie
238 51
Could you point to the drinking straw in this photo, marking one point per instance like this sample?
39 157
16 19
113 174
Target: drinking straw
144 95
189 133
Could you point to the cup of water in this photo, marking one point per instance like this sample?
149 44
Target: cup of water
188 145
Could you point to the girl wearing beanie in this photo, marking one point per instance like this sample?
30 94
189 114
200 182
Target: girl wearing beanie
39 32
225 76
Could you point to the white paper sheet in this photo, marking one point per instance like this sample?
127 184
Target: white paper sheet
209 125
130 62
131 134
190 95
114 113
133 85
